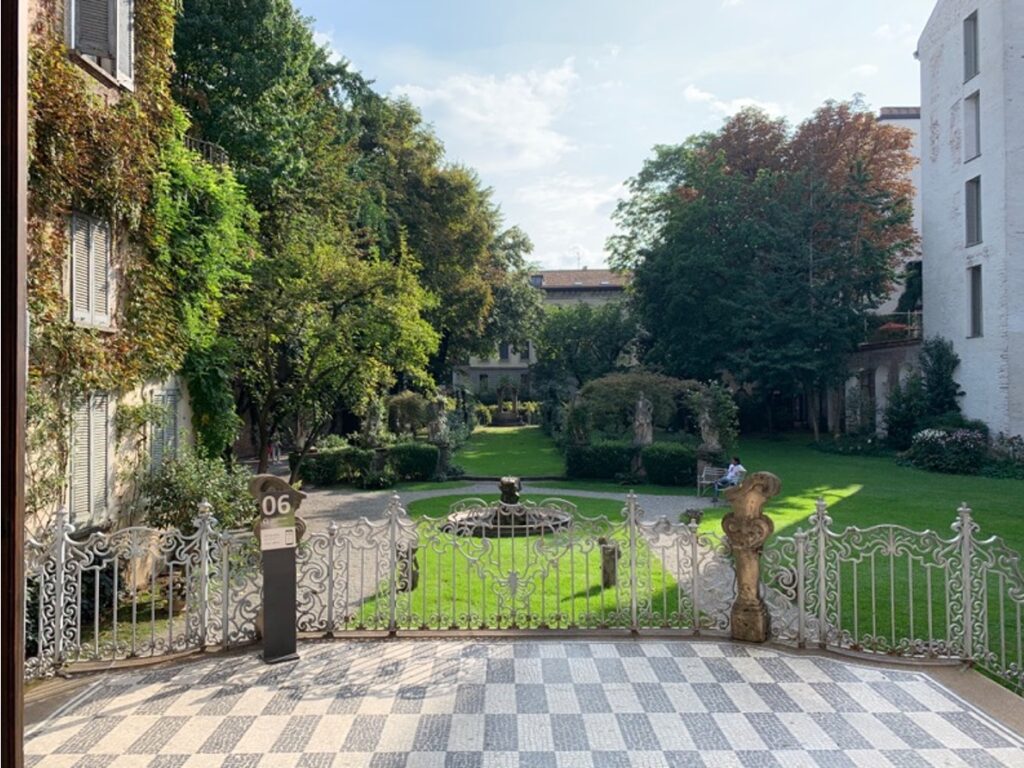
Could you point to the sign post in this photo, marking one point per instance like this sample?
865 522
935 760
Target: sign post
278 531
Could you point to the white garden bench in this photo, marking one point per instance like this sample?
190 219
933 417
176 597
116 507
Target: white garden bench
711 475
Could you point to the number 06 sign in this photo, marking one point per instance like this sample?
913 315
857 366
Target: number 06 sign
278 502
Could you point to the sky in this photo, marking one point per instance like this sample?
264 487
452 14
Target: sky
556 104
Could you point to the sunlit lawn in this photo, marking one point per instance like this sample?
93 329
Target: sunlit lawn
456 590
520 451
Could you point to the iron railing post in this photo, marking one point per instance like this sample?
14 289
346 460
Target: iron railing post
821 521
332 538
203 525
393 509
800 538
695 574
59 587
966 533
631 515
224 542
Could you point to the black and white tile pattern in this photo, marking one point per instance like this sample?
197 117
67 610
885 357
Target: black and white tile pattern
520 704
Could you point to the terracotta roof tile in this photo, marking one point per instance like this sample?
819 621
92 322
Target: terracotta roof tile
582 278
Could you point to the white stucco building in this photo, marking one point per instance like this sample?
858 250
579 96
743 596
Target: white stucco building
972 184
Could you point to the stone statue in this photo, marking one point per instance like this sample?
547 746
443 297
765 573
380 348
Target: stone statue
437 427
510 488
373 424
747 528
643 422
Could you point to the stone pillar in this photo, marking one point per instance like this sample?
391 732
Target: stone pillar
748 528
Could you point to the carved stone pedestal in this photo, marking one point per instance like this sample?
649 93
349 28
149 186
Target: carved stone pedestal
747 529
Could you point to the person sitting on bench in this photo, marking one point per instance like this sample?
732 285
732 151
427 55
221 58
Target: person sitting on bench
733 476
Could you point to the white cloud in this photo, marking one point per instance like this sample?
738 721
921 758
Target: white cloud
731 3
503 123
865 70
568 216
904 35
326 40
729 106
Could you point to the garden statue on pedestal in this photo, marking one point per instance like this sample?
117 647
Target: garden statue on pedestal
643 422
643 433
438 434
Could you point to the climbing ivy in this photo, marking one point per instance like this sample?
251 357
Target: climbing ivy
182 231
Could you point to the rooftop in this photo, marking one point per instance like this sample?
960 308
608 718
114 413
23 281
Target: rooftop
899 113
580 278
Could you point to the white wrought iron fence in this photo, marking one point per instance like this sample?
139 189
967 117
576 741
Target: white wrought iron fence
890 590
886 589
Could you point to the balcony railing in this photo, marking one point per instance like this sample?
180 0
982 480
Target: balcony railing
892 328
210 152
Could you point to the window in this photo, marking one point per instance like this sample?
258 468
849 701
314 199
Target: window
103 32
503 351
164 436
972 206
970 46
484 385
976 313
90 270
90 437
972 126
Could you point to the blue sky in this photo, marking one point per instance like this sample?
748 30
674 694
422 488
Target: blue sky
557 103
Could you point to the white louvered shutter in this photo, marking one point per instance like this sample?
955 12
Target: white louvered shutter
100 273
125 31
93 26
99 433
80 450
165 434
81 269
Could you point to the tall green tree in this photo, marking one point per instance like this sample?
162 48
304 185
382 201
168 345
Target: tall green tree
759 249
580 343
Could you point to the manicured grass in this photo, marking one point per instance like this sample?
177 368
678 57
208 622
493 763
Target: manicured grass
463 581
867 490
430 485
520 451
609 487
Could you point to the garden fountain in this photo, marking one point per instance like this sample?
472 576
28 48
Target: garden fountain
508 516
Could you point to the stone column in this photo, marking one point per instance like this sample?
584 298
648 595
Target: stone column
748 528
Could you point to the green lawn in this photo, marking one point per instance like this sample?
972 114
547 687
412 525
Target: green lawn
462 583
520 451
868 490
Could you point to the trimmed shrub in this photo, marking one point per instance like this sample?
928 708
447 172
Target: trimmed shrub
601 460
408 411
336 465
413 461
960 451
170 495
670 463
482 414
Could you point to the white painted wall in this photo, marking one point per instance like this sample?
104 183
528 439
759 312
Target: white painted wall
992 366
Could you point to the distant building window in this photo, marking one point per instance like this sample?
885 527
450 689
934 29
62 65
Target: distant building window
103 31
503 350
972 126
972 206
976 309
971 46
483 383
90 482
537 280
90 270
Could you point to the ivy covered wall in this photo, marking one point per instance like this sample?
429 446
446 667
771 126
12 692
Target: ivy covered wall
183 232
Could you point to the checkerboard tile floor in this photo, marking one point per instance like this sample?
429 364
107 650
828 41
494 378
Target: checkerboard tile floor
518 704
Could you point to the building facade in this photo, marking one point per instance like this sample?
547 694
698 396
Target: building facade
83 256
890 351
972 183
510 367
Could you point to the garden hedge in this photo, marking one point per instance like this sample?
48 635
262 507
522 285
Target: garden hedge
601 460
413 461
670 464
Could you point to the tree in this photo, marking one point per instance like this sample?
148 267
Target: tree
322 328
579 343
758 250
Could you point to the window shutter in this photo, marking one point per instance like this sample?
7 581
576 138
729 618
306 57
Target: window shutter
81 269
125 31
99 431
79 502
93 24
100 273
165 434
